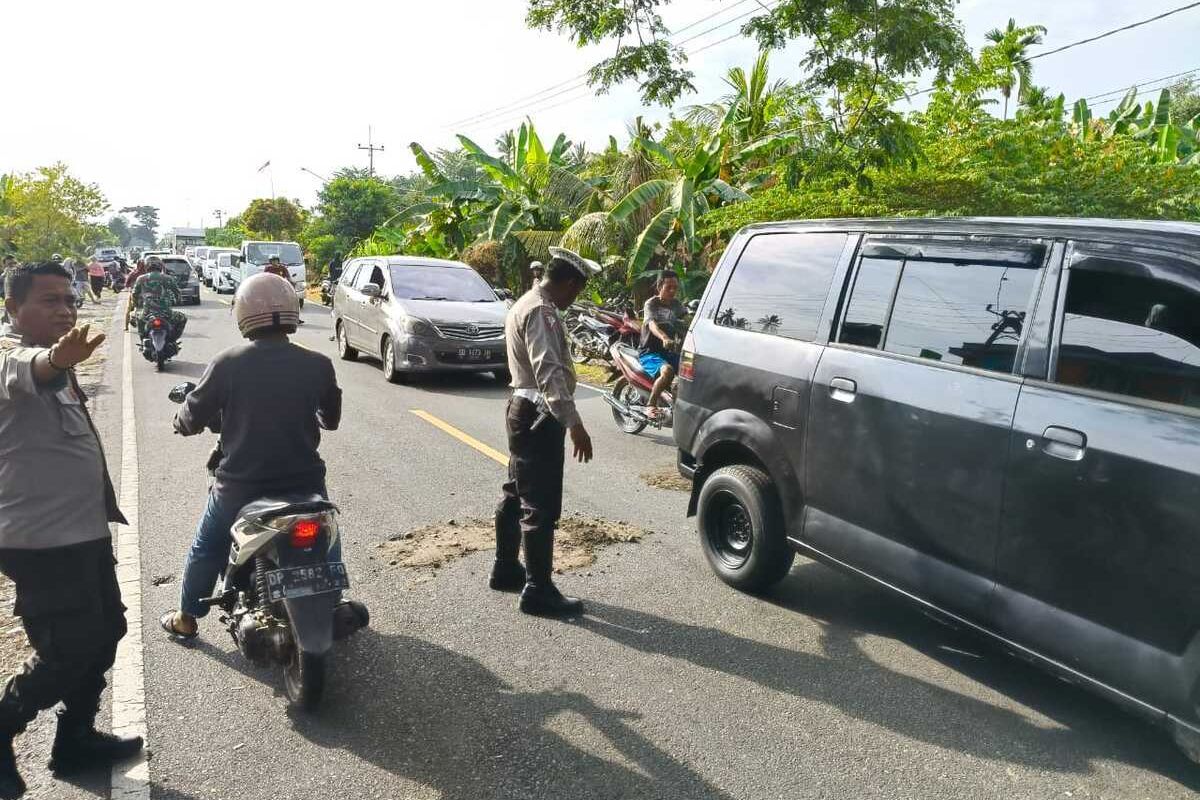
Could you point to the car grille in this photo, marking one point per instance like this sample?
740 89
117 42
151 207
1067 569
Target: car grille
469 332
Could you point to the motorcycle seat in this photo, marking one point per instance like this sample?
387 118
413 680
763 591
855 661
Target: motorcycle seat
268 508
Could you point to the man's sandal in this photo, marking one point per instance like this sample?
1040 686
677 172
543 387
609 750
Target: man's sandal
167 623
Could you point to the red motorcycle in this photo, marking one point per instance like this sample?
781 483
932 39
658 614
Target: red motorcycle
631 392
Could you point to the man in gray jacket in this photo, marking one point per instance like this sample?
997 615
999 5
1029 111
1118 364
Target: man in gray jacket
56 501
540 413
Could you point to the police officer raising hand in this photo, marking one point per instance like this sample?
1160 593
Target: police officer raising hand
539 414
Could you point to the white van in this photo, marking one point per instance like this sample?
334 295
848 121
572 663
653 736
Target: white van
255 255
208 265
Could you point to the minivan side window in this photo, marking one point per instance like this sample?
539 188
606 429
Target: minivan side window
1132 327
961 305
350 273
780 284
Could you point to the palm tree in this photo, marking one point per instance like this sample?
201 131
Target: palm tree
1007 54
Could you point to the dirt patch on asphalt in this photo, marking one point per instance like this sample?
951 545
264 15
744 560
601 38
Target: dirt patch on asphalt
14 647
667 477
575 544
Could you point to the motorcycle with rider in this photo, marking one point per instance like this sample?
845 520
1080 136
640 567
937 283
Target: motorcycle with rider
159 325
269 533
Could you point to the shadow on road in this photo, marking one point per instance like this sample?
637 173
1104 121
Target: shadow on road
443 720
846 677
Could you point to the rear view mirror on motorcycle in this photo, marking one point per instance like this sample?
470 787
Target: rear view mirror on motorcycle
180 392
693 306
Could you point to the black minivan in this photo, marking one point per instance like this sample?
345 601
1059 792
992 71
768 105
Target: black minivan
997 418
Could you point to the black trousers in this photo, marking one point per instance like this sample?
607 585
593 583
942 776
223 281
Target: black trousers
70 604
532 495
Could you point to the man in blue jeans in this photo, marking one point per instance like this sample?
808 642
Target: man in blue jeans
269 399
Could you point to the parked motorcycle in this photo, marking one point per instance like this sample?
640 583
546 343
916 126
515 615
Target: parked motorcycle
280 594
157 344
327 292
631 392
588 338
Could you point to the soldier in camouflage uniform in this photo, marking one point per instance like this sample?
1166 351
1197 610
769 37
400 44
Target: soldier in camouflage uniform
154 293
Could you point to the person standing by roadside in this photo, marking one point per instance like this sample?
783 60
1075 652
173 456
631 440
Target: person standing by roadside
335 267
539 414
79 277
95 272
55 544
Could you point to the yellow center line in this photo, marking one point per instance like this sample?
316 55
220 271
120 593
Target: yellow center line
466 439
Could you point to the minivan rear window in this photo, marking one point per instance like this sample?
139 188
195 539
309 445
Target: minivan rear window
1129 331
780 284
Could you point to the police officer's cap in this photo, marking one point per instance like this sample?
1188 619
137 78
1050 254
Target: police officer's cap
584 266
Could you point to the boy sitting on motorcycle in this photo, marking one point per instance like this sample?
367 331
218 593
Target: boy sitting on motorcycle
659 352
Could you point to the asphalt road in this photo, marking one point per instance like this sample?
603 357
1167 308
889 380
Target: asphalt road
671 686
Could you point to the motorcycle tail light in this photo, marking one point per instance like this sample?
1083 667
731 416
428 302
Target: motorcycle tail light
157 323
305 532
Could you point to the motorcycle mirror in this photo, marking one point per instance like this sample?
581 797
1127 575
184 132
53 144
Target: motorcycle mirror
693 306
180 392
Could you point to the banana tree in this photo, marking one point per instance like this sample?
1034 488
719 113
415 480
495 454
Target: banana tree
676 203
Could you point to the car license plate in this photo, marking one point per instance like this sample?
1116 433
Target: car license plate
473 354
288 584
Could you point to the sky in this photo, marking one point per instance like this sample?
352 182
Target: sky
179 104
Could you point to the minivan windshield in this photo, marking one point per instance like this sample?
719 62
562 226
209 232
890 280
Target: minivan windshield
260 253
440 283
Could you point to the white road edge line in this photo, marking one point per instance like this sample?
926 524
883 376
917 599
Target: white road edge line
130 779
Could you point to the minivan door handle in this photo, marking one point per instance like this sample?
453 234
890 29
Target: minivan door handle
1065 443
843 390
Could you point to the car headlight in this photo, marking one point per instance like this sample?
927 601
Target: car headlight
418 327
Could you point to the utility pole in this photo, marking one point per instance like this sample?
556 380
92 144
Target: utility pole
219 214
370 147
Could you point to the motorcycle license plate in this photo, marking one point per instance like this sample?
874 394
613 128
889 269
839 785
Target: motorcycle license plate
473 353
288 584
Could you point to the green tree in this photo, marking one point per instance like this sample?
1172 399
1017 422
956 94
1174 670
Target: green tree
119 227
352 208
1008 54
146 222
231 234
273 218
52 211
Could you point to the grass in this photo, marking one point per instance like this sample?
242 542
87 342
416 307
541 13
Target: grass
595 374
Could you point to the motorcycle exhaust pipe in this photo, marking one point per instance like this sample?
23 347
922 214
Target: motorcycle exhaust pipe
628 411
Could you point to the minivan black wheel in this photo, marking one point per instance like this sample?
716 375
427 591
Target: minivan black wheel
346 352
388 352
741 528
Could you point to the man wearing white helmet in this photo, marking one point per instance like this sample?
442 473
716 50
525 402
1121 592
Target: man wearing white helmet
540 413
268 399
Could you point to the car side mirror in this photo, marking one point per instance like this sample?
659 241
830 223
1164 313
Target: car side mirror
181 391
372 290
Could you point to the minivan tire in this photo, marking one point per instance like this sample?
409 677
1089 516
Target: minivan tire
741 528
345 351
387 354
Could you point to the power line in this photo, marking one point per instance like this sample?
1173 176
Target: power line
1144 85
575 80
507 112
1114 31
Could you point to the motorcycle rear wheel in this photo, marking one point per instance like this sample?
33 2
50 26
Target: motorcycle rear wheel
627 395
304 679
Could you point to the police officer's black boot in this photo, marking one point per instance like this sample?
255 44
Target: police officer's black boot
508 575
540 596
12 722
78 746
